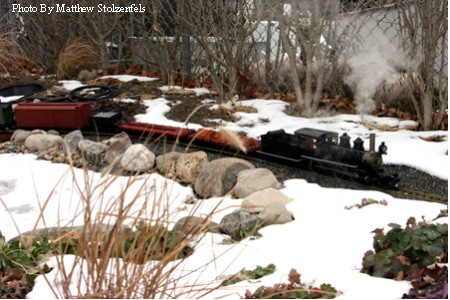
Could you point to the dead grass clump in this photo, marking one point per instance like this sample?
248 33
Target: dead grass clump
14 61
74 58
124 249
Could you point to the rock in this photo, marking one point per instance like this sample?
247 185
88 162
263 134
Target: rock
117 145
253 180
137 158
86 75
38 131
165 163
193 224
257 202
219 176
73 139
92 152
239 224
42 142
189 165
59 90
19 136
53 132
275 213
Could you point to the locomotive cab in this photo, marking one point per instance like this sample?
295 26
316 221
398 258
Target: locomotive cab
314 138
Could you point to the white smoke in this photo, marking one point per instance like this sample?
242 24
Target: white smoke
368 69
371 67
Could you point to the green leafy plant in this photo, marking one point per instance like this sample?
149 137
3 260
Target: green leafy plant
257 273
241 234
24 254
20 264
294 289
153 242
404 253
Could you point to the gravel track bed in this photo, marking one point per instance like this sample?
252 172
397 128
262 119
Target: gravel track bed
411 178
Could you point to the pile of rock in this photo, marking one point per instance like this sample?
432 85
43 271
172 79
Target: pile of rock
262 203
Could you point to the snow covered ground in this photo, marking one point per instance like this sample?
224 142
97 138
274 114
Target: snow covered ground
325 243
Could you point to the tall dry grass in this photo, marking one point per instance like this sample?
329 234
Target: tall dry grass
14 61
74 58
124 249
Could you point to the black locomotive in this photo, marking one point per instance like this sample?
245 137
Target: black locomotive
327 152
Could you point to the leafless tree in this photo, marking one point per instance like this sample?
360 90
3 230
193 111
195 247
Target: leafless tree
309 37
424 26
222 30
45 35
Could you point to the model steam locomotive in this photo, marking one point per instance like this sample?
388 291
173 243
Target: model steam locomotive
327 152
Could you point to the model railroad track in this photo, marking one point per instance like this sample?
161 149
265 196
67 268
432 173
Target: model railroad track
168 144
412 194
402 193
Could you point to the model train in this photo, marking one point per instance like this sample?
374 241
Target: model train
320 150
326 151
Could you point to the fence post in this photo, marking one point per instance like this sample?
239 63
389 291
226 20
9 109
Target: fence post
186 44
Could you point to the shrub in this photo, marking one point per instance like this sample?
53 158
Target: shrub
14 61
401 252
413 253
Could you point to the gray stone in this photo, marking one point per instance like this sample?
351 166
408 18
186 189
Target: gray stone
239 224
253 180
53 132
219 176
42 142
189 165
19 136
117 145
195 225
256 202
92 152
275 213
137 158
38 131
165 163
73 139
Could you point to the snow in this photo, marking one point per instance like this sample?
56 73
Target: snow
10 98
325 242
127 78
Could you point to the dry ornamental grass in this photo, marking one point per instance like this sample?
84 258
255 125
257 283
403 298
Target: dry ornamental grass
14 61
74 58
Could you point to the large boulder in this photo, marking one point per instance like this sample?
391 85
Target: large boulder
254 180
117 145
137 158
258 201
219 176
275 213
239 224
189 165
42 142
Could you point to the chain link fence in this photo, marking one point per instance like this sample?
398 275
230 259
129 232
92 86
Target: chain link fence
248 36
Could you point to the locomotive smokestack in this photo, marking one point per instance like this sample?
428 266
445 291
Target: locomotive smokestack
372 142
